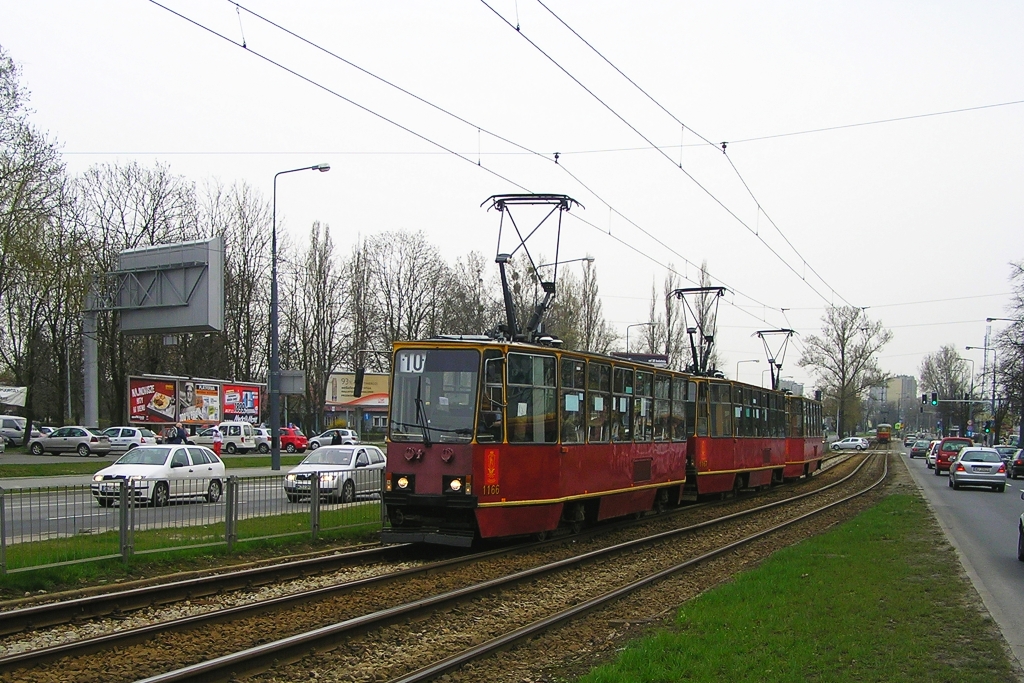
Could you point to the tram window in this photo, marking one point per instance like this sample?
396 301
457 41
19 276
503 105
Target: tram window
622 405
643 408
599 381
721 409
532 411
490 427
796 417
678 409
572 402
697 407
662 408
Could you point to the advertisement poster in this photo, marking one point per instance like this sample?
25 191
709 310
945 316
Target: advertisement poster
198 402
242 402
151 400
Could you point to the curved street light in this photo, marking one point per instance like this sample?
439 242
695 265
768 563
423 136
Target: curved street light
274 380
635 325
750 360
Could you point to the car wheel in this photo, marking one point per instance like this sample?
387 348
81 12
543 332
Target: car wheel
313 445
290 448
937 473
230 448
1020 544
1000 488
83 450
292 498
105 502
132 445
213 493
949 482
161 494
859 447
263 448
956 486
37 449
348 492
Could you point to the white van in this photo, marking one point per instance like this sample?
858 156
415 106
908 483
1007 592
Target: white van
12 429
239 437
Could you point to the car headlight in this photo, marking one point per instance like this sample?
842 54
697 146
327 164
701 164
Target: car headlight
290 477
97 477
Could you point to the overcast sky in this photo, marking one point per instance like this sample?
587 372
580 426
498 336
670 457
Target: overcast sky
914 219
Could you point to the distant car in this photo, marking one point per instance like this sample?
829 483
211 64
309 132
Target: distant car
920 449
162 473
127 438
933 449
850 443
347 436
74 439
1006 452
947 452
1015 466
262 435
344 472
909 439
978 467
45 429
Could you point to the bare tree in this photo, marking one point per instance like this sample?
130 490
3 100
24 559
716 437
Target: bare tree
844 358
946 373
1010 342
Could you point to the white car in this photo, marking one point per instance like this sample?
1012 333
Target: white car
850 443
162 473
347 436
127 438
262 439
344 472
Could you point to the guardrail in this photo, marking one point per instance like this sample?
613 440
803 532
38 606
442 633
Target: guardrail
59 525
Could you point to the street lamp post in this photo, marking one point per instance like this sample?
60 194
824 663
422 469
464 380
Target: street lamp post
275 358
750 360
635 325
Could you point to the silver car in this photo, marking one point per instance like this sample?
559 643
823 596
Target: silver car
343 471
850 442
345 436
975 466
127 438
75 439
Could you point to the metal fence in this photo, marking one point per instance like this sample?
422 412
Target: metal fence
50 526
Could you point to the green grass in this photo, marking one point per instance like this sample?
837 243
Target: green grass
162 548
877 599
91 466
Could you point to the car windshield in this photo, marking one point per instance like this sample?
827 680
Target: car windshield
329 456
143 456
954 446
980 456
921 444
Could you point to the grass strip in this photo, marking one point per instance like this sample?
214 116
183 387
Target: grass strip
880 598
231 462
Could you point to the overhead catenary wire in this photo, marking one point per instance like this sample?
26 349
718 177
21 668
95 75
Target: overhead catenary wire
465 157
675 118
659 150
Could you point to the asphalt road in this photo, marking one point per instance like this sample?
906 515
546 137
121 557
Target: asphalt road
982 526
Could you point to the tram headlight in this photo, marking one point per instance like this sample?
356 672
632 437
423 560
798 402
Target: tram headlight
403 483
455 485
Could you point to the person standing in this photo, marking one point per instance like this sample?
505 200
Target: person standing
218 439
180 434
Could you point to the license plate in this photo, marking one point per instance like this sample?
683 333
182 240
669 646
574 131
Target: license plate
108 487
982 469
301 485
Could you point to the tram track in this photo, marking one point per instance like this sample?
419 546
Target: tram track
354 620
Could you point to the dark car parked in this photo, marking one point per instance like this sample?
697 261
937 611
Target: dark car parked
1015 466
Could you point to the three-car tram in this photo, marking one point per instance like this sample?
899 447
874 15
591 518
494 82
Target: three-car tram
493 438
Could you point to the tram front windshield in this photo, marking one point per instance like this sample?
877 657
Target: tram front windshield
434 394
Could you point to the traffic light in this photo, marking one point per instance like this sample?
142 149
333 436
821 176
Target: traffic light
924 398
358 390
935 398
988 426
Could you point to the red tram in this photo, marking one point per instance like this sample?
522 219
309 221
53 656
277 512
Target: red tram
491 438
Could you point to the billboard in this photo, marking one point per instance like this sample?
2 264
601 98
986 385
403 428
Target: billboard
151 400
198 402
242 402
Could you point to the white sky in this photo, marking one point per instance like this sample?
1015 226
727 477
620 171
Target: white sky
891 215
